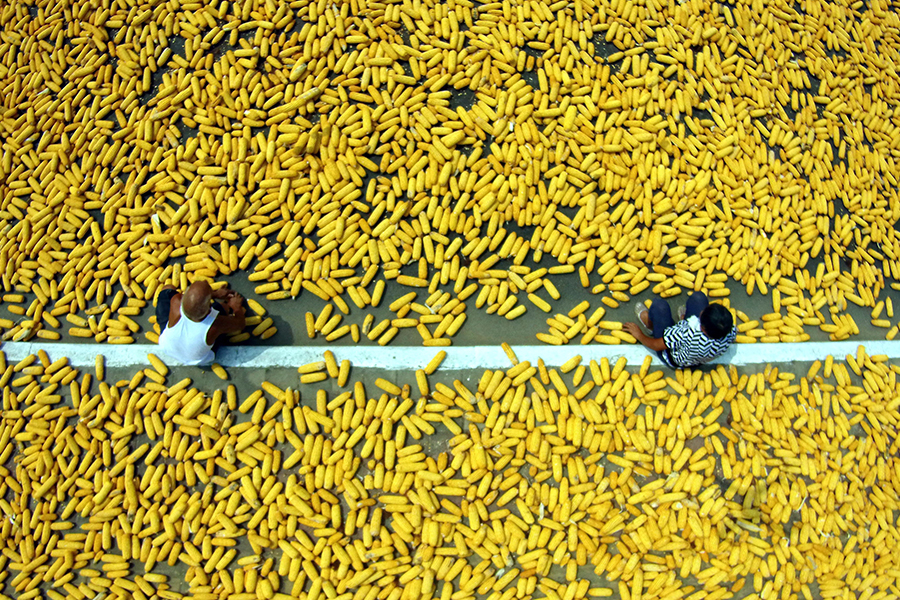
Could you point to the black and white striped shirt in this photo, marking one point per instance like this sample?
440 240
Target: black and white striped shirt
688 346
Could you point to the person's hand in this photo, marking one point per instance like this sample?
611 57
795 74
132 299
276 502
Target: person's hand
634 329
223 293
235 301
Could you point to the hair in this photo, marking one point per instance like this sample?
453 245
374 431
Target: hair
716 321
195 301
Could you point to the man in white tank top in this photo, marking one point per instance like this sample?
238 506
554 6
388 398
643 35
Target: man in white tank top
189 325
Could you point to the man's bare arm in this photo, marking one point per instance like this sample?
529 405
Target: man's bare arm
226 324
174 312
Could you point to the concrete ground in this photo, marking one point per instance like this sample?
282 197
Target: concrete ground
481 328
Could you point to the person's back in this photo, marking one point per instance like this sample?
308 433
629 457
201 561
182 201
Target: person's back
186 340
690 343
190 326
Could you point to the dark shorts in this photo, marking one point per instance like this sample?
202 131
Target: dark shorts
163 304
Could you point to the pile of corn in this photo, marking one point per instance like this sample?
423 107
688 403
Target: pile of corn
583 481
323 149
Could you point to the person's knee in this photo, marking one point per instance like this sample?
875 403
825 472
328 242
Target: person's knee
660 315
165 293
660 307
696 304
659 303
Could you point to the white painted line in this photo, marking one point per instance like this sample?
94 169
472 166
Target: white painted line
402 358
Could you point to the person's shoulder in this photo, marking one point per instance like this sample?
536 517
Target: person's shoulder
682 325
722 342
175 299
678 330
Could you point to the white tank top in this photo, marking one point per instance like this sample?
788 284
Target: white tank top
186 340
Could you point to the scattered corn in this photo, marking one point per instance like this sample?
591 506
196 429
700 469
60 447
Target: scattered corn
453 149
739 482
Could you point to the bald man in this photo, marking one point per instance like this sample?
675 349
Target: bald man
191 322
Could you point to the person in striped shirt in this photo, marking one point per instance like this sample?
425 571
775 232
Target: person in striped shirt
705 331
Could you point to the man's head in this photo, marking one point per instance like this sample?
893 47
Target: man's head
716 321
195 302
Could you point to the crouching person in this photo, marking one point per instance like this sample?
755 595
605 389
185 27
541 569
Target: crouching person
192 322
